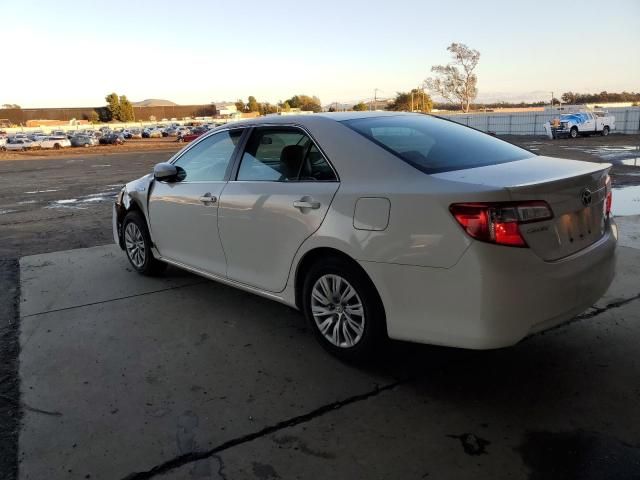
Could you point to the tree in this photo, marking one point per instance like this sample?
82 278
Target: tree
456 81
126 110
113 107
286 107
404 103
360 107
10 105
252 104
266 108
305 102
93 117
240 105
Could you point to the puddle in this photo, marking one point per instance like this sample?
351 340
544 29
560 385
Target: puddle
25 202
4 212
100 165
626 201
43 191
619 154
633 162
75 203
72 207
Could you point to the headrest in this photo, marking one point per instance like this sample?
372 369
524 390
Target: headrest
291 159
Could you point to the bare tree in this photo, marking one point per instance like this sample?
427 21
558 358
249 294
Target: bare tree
456 81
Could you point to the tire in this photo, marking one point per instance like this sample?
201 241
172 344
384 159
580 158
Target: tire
605 131
56 146
573 133
349 335
85 145
137 245
180 140
24 149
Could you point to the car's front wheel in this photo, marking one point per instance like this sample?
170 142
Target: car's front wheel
137 245
605 131
344 309
573 133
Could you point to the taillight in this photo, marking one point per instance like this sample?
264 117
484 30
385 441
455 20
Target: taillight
609 198
499 222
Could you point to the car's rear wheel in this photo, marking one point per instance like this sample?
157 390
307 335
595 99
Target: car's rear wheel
344 309
57 146
605 131
573 133
137 245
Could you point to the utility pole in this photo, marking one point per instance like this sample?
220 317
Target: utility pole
375 97
411 100
551 99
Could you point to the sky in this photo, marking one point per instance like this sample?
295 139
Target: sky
66 53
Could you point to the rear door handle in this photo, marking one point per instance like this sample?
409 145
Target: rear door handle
306 204
207 198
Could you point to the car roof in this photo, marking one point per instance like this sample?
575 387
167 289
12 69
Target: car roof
307 119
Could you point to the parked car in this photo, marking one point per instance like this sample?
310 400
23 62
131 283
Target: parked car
152 133
583 123
19 144
189 137
375 225
112 139
136 133
3 142
56 142
83 141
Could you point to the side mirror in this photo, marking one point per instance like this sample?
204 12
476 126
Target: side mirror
167 172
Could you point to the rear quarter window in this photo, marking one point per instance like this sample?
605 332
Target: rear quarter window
433 145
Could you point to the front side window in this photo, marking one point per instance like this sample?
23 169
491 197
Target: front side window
208 160
283 154
434 145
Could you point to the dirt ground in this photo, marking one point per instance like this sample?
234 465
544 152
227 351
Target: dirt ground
59 200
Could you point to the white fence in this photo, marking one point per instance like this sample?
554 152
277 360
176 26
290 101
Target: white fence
531 123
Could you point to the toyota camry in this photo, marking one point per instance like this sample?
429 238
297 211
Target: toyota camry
380 225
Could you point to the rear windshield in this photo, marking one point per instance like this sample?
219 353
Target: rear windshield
434 145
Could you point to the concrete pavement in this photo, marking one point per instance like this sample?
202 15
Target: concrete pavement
124 376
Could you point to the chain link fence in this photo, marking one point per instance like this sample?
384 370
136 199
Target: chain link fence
531 123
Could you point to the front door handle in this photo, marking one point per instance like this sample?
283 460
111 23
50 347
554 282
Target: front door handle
306 204
207 198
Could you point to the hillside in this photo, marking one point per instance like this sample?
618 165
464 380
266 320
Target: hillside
154 102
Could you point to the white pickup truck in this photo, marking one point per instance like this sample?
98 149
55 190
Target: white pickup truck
583 123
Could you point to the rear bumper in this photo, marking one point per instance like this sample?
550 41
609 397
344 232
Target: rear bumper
494 296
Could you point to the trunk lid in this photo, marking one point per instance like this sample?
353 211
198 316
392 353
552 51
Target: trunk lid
575 191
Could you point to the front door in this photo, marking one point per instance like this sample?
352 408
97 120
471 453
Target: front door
183 215
280 196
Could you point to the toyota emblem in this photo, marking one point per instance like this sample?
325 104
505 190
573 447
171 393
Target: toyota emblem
585 196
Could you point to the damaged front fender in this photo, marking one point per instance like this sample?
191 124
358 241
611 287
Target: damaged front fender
133 196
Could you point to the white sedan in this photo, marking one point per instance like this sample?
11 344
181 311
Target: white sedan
21 144
55 142
379 226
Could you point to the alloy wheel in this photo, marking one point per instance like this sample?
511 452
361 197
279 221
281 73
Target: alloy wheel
134 242
337 310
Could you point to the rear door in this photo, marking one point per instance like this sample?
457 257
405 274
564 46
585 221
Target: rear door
279 196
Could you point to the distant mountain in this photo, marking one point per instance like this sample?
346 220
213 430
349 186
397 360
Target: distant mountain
154 102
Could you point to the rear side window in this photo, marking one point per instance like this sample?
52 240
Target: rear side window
283 154
434 145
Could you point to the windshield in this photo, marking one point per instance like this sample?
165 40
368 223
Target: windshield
434 145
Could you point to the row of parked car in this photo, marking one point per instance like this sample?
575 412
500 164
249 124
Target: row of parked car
59 139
